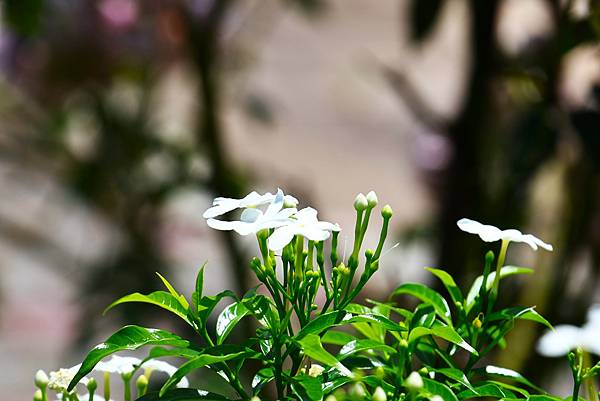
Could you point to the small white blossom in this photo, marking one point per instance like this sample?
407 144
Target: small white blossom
372 199
315 370
379 394
414 381
252 200
304 223
565 338
361 202
41 379
60 379
489 233
254 220
127 364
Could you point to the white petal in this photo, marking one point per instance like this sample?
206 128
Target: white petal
224 206
243 228
221 225
486 232
313 233
539 242
276 205
250 215
254 199
308 215
593 314
280 237
324 225
559 342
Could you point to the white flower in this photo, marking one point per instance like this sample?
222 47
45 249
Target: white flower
254 220
379 394
566 338
490 233
304 223
41 379
60 379
252 200
127 364
414 381
315 370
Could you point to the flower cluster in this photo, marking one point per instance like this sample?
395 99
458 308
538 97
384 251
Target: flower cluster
280 214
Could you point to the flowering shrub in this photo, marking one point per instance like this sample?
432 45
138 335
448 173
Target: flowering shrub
336 349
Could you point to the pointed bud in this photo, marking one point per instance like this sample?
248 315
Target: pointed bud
142 384
38 395
379 395
331 398
372 199
436 398
361 202
413 382
369 254
387 212
255 398
92 385
357 391
41 379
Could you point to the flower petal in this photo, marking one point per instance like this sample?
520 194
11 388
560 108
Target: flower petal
559 342
486 232
276 205
250 215
280 238
223 206
313 233
308 215
221 225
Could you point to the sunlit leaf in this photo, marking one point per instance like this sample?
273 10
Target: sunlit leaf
162 299
228 319
509 374
504 272
445 332
307 388
457 375
428 296
173 292
436 388
448 282
523 313
363 345
312 347
127 338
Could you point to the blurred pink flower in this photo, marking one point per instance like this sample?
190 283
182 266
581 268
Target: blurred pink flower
119 13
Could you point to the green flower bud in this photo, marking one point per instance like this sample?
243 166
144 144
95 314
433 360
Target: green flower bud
413 382
424 371
127 375
369 254
372 199
387 212
489 257
142 384
92 385
361 202
380 372
331 398
41 379
38 395
379 395
375 266
477 323
255 398
436 398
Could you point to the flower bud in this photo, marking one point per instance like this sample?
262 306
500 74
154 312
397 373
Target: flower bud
92 385
380 372
331 398
379 395
41 379
387 212
38 395
142 384
255 398
357 391
424 371
361 202
290 201
436 398
372 199
369 254
477 323
413 382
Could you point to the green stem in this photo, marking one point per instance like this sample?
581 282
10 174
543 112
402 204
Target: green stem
106 386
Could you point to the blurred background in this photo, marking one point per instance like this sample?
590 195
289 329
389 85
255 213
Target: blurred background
120 120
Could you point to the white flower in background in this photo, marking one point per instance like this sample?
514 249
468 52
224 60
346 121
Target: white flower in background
566 338
315 370
253 220
252 200
127 364
60 379
490 233
304 223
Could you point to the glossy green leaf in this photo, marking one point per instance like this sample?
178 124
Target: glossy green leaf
322 323
162 299
183 394
200 281
486 389
428 296
356 346
457 375
436 388
127 338
208 303
312 347
448 282
337 338
504 272
523 313
228 319
307 388
261 378
173 292
509 374
445 332
199 362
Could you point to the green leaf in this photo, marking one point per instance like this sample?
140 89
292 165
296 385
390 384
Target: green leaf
200 281
311 345
486 389
228 319
428 296
363 345
307 388
322 323
448 282
435 388
445 332
504 272
159 298
457 375
127 338
199 362
509 374
182 394
207 304
523 313
177 295
337 338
